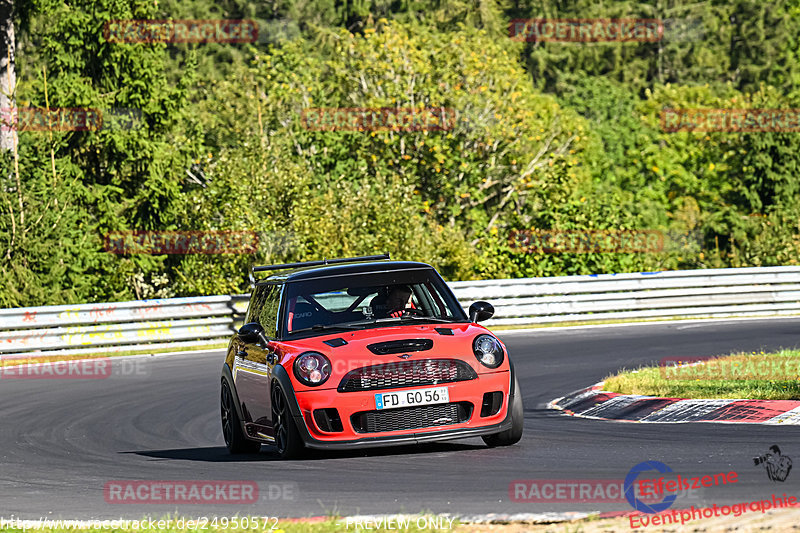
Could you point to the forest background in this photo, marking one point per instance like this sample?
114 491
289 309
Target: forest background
548 135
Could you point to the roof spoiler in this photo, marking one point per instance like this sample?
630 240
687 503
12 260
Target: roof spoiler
265 268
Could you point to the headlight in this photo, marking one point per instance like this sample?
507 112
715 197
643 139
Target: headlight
312 369
488 351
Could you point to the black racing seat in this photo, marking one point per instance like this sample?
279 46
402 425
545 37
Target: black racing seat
305 316
379 305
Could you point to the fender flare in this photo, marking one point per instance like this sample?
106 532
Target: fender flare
512 375
280 375
228 377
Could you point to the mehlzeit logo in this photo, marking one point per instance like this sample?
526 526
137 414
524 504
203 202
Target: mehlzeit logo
630 494
657 487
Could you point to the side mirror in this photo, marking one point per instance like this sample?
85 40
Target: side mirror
252 333
480 311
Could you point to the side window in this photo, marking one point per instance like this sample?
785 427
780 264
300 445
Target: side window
268 311
255 304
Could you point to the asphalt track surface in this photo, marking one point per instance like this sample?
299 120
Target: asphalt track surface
62 440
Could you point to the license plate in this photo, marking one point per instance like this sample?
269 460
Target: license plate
406 398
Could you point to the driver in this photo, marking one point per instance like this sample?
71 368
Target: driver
399 300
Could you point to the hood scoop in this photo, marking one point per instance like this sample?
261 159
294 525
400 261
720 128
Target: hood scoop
335 343
401 346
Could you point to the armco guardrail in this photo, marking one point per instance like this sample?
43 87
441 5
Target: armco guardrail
136 325
727 292
186 322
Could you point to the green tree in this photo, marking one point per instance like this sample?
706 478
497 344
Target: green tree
77 185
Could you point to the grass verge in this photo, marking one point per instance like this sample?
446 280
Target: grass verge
756 376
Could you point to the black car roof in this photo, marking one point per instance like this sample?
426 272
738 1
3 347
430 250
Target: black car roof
322 271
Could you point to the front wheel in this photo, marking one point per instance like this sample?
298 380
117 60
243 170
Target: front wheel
514 433
235 440
287 437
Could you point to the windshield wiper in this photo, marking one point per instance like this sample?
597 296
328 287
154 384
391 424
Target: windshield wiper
415 317
428 319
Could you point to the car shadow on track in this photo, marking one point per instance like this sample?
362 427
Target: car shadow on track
219 454
212 454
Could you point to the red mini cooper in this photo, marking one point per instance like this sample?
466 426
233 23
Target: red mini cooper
362 352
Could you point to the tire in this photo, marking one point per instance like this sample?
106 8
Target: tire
235 440
287 438
514 433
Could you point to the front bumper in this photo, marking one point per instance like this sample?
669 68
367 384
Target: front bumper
302 404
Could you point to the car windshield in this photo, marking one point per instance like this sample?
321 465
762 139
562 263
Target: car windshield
368 300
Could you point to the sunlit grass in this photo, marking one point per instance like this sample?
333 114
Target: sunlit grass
760 376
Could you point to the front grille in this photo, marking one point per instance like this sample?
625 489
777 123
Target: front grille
426 416
406 374
401 346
